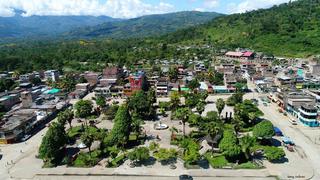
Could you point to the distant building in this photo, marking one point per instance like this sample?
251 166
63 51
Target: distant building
162 87
8 101
137 81
92 78
52 75
110 76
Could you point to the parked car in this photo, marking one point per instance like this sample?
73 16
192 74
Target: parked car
293 122
185 177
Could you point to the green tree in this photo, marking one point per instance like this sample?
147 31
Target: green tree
247 112
164 155
87 138
151 96
263 130
212 129
52 143
235 99
229 144
140 105
36 81
183 115
237 123
175 100
220 104
139 154
83 108
101 101
173 73
121 128
200 107
246 143
66 116
194 84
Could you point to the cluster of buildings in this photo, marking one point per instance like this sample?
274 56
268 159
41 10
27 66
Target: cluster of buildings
29 107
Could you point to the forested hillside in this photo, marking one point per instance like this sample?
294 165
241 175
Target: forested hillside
291 29
145 26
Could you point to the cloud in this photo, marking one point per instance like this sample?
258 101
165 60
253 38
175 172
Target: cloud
113 8
248 5
210 4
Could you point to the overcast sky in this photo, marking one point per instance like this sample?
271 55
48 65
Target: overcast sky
128 8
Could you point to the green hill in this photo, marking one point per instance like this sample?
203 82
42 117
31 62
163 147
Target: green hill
145 26
290 29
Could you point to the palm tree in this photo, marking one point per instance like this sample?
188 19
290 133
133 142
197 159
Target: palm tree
220 105
87 139
213 128
238 123
246 142
183 115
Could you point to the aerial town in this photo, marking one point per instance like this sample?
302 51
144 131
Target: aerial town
239 114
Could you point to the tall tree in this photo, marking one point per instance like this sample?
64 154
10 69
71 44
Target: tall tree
220 104
52 143
183 115
87 138
121 128
175 100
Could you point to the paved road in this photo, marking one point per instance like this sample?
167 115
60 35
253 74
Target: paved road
143 178
307 146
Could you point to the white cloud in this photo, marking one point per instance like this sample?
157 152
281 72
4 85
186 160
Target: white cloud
248 5
209 4
113 8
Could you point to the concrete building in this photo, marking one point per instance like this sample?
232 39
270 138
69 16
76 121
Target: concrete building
308 115
162 87
8 101
52 75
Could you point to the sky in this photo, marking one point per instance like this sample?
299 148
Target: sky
128 8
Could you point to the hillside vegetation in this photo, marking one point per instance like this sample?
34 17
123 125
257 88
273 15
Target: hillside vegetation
290 29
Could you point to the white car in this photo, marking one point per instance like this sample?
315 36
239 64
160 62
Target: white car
293 122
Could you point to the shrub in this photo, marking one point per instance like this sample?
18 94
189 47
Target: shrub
273 153
87 160
116 162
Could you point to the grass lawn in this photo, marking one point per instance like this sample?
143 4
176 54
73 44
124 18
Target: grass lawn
216 161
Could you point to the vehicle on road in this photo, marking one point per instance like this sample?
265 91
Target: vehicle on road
287 141
185 177
293 122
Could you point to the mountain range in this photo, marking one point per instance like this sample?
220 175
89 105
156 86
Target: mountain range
151 25
20 27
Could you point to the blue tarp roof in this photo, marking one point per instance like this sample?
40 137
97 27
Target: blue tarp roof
277 130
